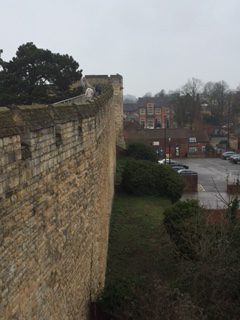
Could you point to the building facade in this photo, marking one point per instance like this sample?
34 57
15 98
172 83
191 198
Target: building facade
172 142
155 113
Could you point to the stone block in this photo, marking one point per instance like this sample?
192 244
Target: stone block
7 141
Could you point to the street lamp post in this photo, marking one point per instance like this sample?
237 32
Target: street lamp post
165 138
169 148
228 122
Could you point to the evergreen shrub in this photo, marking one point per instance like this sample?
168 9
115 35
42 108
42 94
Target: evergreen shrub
146 178
140 151
183 222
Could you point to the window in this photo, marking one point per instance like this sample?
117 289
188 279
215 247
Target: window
177 151
150 124
192 150
150 108
150 105
167 122
192 139
58 139
80 133
142 123
116 91
58 136
157 122
26 151
142 111
157 110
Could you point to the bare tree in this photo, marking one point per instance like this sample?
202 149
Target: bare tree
217 96
193 88
190 99
221 90
160 94
147 95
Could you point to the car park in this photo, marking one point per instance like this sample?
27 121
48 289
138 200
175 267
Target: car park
227 154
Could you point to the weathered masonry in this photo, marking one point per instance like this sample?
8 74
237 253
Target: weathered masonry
57 168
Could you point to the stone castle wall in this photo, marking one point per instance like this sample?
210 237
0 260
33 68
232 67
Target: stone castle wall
117 100
57 168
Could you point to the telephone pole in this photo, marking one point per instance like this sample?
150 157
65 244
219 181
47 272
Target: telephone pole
1 51
228 121
165 138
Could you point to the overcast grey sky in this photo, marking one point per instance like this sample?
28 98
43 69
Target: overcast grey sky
154 44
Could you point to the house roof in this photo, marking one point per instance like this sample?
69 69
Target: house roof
130 107
133 131
159 101
201 136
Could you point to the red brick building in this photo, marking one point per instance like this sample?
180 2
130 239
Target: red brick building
155 113
178 142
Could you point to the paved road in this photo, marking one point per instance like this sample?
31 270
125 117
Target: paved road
213 175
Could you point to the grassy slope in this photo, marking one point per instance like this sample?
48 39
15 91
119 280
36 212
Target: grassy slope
138 246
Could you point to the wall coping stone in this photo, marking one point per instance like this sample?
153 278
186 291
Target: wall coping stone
15 120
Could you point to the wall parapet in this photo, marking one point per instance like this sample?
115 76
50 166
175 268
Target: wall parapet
37 134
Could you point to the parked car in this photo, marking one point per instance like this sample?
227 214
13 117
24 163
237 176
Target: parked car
186 172
173 163
168 161
233 156
179 167
227 154
236 159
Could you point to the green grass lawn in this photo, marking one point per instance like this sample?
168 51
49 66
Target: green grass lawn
138 246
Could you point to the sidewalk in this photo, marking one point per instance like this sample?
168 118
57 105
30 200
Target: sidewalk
210 200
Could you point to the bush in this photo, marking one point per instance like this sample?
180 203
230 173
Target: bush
209 148
210 119
116 296
169 183
120 166
147 178
139 177
213 285
153 301
140 151
223 142
211 272
183 222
